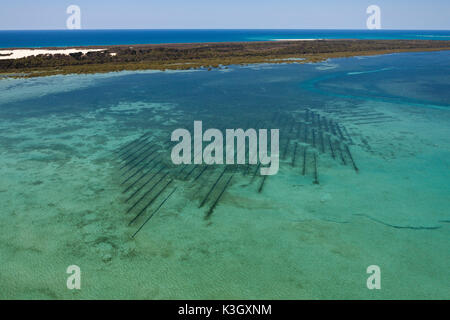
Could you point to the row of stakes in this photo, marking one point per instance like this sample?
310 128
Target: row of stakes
143 164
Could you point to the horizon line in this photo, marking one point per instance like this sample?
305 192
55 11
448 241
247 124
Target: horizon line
206 29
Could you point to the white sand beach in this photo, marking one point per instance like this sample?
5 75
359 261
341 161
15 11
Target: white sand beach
23 53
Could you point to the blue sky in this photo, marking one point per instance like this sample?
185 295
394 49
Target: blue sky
228 14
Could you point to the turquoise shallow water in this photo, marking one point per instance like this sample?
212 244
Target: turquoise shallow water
71 185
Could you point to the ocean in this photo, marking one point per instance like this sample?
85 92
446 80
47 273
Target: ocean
364 179
63 38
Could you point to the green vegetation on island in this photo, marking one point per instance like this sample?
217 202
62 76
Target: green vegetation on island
208 55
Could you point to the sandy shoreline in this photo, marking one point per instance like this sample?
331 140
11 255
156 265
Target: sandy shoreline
23 53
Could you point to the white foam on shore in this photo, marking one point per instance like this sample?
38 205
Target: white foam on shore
23 53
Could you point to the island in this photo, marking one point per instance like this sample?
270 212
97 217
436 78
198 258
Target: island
99 59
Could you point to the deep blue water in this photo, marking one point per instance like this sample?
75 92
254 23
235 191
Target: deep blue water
60 38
